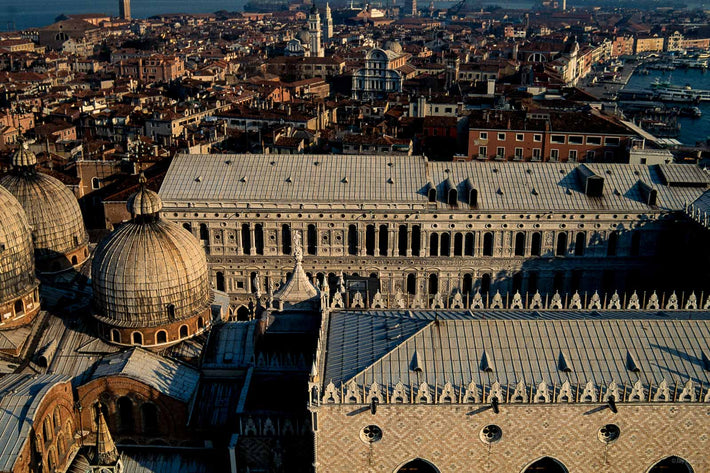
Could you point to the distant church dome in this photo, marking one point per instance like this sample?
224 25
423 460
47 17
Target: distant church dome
60 238
393 46
18 284
304 37
150 279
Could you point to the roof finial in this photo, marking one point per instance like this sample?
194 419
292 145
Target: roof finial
142 180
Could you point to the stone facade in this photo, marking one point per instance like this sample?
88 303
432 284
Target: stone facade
449 437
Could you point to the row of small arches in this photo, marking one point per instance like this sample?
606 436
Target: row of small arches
672 464
161 336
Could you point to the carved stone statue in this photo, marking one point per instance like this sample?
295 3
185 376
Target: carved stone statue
297 248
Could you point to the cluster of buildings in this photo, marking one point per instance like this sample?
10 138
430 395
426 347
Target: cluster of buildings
348 239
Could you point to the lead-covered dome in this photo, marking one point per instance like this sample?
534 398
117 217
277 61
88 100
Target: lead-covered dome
150 273
60 238
17 267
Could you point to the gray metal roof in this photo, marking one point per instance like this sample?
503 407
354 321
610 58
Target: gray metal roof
231 345
520 346
169 377
502 186
20 397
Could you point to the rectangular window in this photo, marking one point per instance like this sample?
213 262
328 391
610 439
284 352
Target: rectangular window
501 136
594 140
555 154
559 139
611 141
484 135
537 138
590 155
575 139
483 151
500 152
518 153
519 137
573 155
448 110
536 153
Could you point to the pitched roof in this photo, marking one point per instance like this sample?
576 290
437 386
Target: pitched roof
502 186
20 397
379 346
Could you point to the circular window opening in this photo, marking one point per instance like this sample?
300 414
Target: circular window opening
609 433
491 433
371 434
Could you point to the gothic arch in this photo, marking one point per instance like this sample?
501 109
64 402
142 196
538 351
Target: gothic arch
417 465
545 465
671 464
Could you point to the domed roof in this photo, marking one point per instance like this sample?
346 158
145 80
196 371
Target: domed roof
145 201
52 211
23 157
303 36
149 271
17 264
393 46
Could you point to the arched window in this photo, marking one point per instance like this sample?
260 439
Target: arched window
149 418
469 244
220 280
286 239
411 283
488 244
580 242
19 307
184 331
259 239
416 239
434 244
48 431
187 226
51 460
671 465
473 197
384 240
458 244
635 243
445 249
561 244
69 430
433 284
352 240
74 261
611 244
57 417
200 323
243 313
370 240
558 281
246 239
61 445
204 233
115 336
485 284
536 244
171 311
517 282
312 239
532 281
452 197
161 337
431 194
137 338
520 244
402 240
467 285
546 465
418 466
95 183
124 405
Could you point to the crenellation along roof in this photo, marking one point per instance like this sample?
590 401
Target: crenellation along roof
279 180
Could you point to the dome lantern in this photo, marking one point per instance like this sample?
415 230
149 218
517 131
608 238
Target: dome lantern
24 157
145 202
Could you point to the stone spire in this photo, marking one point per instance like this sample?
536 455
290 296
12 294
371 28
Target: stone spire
297 288
104 453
